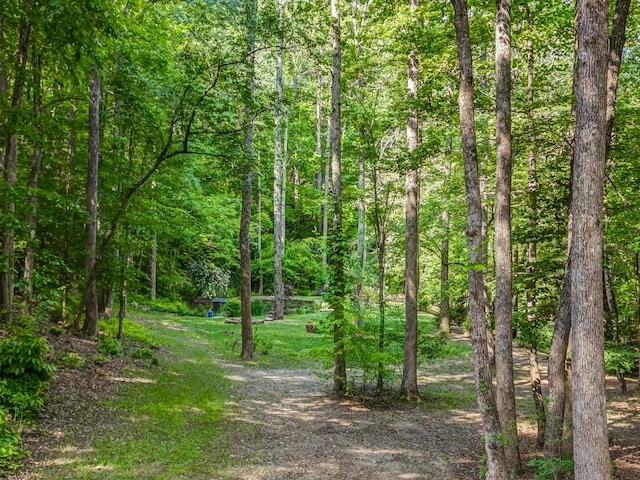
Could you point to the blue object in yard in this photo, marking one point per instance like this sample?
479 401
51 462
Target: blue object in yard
210 313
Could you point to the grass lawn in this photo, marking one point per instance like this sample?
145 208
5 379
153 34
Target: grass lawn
167 420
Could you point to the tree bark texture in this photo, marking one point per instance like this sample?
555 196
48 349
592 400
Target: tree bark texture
90 326
30 253
616 45
535 377
154 265
496 467
503 303
337 252
410 364
248 346
611 313
10 172
590 445
279 174
444 322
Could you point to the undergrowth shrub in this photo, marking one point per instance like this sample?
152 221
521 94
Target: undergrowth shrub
232 307
111 346
24 373
10 450
548 468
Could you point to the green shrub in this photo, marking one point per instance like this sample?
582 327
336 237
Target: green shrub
547 468
10 451
70 360
257 308
431 347
143 353
110 346
131 330
24 373
232 308
619 358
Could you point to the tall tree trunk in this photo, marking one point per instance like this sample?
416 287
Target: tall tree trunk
248 346
636 271
505 389
337 252
496 466
10 168
90 326
412 245
68 177
616 45
279 173
444 320
557 373
30 255
260 271
444 316
361 233
590 445
380 214
319 157
611 312
325 204
535 377
359 93
154 265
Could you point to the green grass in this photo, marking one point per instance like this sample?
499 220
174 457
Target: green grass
168 419
166 422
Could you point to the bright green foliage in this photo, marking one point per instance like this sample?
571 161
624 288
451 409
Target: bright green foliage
620 358
549 468
108 345
10 450
24 373
70 360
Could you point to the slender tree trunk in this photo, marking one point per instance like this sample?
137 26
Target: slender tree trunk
260 271
278 174
248 346
30 255
611 311
506 400
636 271
122 296
380 214
444 321
338 248
616 45
444 317
320 158
11 171
361 233
71 158
154 264
325 204
496 465
535 377
412 245
90 326
590 445
557 373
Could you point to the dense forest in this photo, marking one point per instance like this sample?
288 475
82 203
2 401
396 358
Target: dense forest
471 159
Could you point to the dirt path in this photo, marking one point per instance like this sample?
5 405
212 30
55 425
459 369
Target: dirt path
302 433
283 424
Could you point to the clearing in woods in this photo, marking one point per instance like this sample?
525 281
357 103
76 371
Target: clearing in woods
277 423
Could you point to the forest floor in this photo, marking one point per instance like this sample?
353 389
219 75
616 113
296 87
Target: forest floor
284 424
